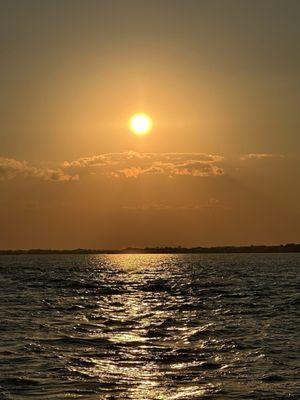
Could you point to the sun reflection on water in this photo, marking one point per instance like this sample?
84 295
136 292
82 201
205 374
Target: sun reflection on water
153 343
147 334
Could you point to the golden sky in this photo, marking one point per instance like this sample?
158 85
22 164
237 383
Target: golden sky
220 80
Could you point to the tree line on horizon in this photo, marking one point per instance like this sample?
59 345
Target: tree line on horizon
282 248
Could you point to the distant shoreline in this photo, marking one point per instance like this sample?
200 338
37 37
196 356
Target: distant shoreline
283 248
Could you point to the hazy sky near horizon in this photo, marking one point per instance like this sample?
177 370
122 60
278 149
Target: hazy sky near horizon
219 78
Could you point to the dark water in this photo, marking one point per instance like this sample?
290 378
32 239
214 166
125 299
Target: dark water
149 327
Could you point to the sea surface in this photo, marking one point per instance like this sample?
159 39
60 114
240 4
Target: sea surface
176 327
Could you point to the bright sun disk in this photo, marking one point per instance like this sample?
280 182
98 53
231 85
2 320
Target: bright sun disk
140 124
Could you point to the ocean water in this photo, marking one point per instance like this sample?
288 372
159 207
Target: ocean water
149 327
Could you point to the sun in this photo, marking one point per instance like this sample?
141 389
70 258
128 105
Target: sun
140 124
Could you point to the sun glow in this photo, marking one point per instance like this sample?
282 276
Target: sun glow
140 124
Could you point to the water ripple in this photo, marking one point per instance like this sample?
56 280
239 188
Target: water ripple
149 327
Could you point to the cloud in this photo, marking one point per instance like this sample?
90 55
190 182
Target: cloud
132 164
11 168
128 164
55 175
260 156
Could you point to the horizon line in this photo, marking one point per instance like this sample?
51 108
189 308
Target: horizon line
252 248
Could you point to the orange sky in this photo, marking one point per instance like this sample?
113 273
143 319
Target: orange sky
219 79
